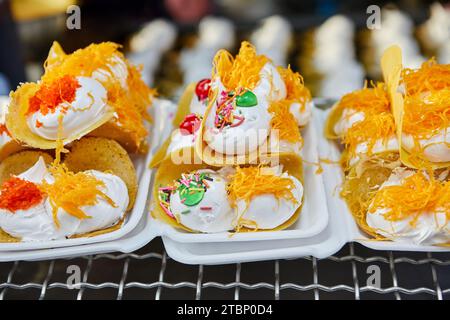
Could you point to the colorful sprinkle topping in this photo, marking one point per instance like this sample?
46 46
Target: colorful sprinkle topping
191 188
225 112
18 194
49 97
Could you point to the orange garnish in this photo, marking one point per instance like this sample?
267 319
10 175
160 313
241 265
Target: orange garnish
295 86
283 121
249 182
378 120
18 194
240 72
431 76
49 97
71 191
417 195
3 129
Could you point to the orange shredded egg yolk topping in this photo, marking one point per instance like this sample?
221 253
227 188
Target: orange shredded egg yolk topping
378 120
240 72
295 86
249 182
18 194
417 194
427 100
282 118
71 191
50 96
284 121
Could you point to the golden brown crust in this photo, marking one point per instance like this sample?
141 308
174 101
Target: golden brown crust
94 153
20 162
10 148
111 130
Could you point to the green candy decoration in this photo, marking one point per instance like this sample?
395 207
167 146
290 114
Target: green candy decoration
247 99
192 198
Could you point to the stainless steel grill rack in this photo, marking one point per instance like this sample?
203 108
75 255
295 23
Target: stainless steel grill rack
150 274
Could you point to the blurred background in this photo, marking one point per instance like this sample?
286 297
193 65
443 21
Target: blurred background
331 43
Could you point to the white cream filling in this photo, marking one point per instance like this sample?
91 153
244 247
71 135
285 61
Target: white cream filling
117 69
219 219
266 210
436 148
254 130
179 141
380 146
348 118
88 106
302 116
431 227
37 224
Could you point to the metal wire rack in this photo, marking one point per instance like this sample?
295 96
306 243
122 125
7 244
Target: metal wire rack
150 274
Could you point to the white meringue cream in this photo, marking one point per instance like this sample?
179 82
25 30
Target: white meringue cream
348 118
219 218
90 103
266 210
431 227
116 70
302 115
436 148
380 146
37 224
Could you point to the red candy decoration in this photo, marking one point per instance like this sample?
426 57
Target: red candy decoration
190 124
202 89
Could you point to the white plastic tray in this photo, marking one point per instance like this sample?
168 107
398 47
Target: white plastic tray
313 217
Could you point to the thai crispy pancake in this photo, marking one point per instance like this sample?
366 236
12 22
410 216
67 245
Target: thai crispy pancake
168 172
105 155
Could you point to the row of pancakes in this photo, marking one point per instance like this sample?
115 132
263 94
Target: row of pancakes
396 158
233 162
65 166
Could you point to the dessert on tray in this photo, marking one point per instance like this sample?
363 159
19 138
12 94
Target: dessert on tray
363 122
91 91
194 189
253 107
88 194
396 149
201 198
